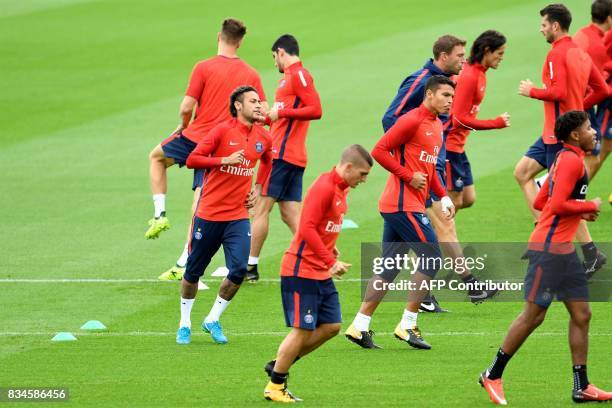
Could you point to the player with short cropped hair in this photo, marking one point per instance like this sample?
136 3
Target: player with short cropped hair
487 52
554 267
210 86
296 103
229 153
591 39
567 74
409 152
310 299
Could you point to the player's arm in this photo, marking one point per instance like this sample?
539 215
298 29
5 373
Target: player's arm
463 102
598 87
317 202
445 201
265 166
400 133
192 94
262 95
557 90
304 88
200 157
542 197
407 98
186 112
569 170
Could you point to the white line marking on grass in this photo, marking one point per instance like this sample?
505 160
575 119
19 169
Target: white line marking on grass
270 333
100 280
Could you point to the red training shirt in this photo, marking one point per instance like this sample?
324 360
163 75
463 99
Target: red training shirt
298 103
310 254
411 145
591 39
469 93
211 84
567 73
226 187
562 202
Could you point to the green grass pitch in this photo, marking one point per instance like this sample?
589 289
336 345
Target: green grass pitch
89 87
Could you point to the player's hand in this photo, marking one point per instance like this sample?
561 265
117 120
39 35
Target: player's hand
258 189
336 252
259 117
590 217
338 269
506 117
597 202
234 158
251 199
273 114
448 208
525 87
418 180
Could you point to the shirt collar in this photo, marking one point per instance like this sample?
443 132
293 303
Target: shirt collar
596 29
338 180
242 127
479 66
426 112
575 149
561 40
294 66
434 68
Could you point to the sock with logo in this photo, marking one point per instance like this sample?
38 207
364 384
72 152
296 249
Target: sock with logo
217 310
499 364
580 377
589 251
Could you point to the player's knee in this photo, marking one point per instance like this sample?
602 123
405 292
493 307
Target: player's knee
157 154
289 216
332 330
458 201
468 201
520 173
583 317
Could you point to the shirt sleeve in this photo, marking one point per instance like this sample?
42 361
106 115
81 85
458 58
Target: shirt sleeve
196 83
303 86
558 73
569 170
598 88
542 197
200 157
265 166
462 106
402 132
407 98
317 202
437 187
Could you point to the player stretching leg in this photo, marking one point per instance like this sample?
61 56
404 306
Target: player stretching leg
567 74
554 266
409 152
310 299
296 103
229 153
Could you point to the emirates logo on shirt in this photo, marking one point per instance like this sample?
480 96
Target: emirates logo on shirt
430 158
239 170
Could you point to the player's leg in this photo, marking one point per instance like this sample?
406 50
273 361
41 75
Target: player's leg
469 190
259 233
177 270
236 244
173 150
449 243
205 242
457 176
359 331
290 214
527 169
417 231
288 352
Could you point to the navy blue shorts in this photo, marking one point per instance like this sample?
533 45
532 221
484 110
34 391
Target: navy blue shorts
309 303
179 147
599 116
284 182
460 171
441 174
208 236
542 153
553 274
402 230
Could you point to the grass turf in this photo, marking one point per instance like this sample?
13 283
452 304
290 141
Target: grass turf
92 86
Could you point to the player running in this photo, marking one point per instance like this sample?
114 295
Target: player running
210 86
229 153
448 60
310 299
591 39
567 74
554 266
296 103
487 52
409 152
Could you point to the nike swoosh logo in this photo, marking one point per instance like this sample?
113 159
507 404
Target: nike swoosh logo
234 143
338 202
429 133
590 395
431 307
481 296
249 234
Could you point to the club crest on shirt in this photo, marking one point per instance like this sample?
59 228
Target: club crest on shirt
281 83
259 147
